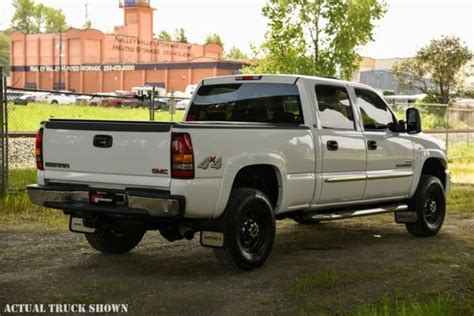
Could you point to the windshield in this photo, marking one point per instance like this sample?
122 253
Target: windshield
247 102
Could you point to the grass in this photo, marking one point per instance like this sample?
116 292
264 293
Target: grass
461 198
420 306
440 305
17 212
430 303
461 163
28 117
311 282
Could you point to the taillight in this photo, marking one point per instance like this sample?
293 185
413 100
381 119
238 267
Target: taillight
182 157
39 149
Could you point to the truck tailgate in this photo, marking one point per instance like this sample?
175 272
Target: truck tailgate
107 153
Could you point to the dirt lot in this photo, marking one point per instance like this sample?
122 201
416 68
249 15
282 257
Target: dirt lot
327 268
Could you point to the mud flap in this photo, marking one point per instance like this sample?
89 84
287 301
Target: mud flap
77 225
403 217
212 239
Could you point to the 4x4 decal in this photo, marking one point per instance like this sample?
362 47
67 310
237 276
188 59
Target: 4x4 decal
211 161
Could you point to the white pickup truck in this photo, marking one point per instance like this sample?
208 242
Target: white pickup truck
252 149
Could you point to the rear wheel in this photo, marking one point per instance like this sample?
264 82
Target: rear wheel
429 202
108 241
249 230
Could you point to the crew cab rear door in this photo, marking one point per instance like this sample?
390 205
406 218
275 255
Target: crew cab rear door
390 154
343 146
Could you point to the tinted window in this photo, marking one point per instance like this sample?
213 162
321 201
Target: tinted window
247 102
375 113
335 109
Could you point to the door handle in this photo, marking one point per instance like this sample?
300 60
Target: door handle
372 145
103 141
332 145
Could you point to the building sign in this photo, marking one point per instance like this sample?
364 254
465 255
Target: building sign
79 68
136 45
131 67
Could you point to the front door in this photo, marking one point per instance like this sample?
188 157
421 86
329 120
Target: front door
390 154
343 147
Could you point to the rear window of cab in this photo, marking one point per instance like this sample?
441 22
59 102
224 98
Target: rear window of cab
247 102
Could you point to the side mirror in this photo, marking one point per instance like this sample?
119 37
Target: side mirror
402 126
413 121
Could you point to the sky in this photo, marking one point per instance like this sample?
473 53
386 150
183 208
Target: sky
407 26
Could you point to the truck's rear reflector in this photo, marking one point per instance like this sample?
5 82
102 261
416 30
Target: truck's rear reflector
182 157
39 149
248 78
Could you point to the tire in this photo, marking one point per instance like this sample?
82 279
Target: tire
305 219
110 242
54 102
249 230
429 202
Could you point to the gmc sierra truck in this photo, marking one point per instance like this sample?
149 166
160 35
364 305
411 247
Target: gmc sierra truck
251 150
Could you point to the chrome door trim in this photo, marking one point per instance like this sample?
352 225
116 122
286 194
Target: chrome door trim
393 175
384 176
345 179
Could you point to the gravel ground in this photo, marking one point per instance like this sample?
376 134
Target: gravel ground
21 153
22 149
326 268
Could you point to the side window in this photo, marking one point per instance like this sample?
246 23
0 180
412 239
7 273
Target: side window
375 113
334 106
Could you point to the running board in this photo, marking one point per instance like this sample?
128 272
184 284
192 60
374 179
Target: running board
364 212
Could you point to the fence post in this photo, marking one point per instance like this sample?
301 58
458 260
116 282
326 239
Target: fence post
5 144
469 126
152 105
2 171
172 107
447 128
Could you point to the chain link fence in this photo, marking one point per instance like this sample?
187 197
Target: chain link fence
452 123
26 109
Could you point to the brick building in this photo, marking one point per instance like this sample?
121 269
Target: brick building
92 61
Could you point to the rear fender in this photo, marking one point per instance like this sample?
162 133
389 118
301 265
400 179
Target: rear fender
235 164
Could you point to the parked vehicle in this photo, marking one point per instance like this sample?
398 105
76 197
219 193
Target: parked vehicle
190 90
182 104
145 92
253 149
61 97
41 97
24 99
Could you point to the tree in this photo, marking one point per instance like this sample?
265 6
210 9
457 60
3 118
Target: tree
180 36
317 37
164 36
55 21
214 38
87 25
24 17
4 53
33 18
235 53
440 60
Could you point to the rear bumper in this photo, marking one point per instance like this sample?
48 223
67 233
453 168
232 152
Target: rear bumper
137 202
